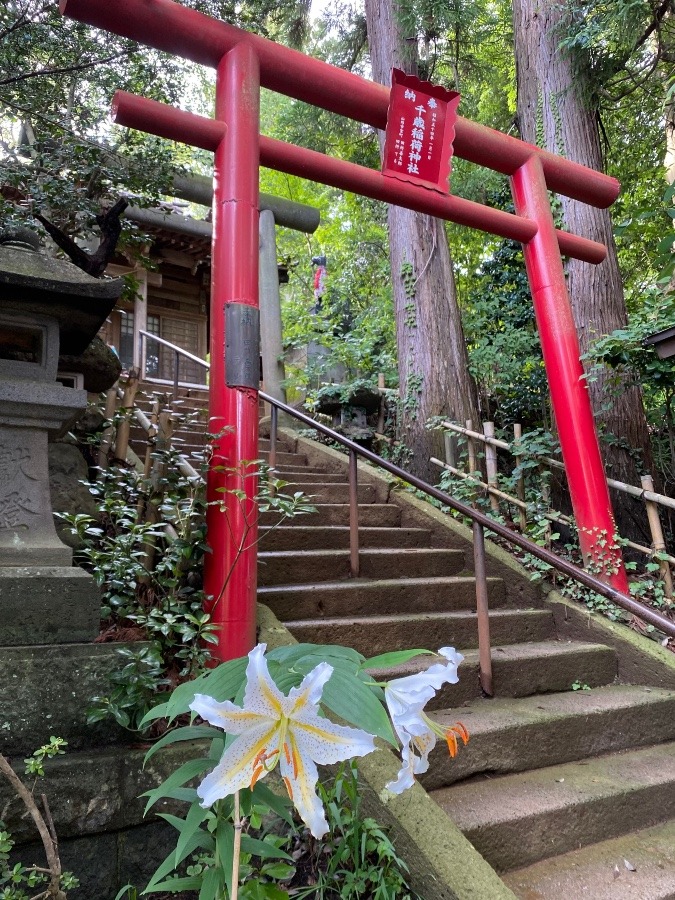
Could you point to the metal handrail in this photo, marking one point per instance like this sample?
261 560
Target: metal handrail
480 523
178 352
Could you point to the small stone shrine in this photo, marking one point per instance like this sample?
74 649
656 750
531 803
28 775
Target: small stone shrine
47 307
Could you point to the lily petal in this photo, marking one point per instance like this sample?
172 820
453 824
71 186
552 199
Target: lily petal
241 764
309 692
226 715
261 694
327 742
406 778
300 775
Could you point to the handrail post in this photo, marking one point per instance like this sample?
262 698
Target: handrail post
353 515
484 649
274 425
176 361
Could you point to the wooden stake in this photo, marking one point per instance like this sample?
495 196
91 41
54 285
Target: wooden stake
491 462
520 484
658 542
123 429
106 437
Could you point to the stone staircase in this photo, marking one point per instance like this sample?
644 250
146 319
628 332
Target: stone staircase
566 793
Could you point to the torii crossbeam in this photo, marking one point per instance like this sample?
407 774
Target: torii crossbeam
244 63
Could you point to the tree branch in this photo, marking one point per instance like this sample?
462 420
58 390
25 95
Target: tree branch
51 850
92 263
63 70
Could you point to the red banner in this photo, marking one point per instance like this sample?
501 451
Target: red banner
420 131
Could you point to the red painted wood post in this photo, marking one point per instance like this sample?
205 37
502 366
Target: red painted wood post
230 568
569 392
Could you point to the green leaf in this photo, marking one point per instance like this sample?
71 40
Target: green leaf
280 805
395 658
195 817
349 698
212 885
188 733
173 885
186 772
263 849
225 847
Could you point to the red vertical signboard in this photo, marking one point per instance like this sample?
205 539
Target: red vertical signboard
420 131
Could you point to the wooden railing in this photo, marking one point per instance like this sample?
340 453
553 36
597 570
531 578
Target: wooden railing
491 444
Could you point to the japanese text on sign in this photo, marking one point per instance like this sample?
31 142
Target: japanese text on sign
420 131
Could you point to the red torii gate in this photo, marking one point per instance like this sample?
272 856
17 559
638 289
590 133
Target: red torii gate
244 63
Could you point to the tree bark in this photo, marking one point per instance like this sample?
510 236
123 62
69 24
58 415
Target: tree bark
555 111
432 358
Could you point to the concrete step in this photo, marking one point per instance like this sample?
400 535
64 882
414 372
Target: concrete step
290 567
297 476
284 458
371 635
335 537
377 598
370 515
328 492
538 667
286 446
286 471
599 872
517 820
510 735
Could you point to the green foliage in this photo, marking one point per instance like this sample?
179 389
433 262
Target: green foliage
35 763
503 344
16 879
151 579
356 858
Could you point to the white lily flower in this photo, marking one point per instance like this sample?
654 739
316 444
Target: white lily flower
406 699
273 728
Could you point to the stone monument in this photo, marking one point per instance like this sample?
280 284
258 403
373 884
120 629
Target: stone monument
47 306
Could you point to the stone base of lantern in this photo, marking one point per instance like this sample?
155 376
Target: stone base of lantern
47 605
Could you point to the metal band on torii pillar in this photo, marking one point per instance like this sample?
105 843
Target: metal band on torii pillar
230 567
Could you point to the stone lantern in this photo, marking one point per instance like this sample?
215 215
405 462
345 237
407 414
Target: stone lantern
47 307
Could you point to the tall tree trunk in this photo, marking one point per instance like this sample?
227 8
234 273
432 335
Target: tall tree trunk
555 112
432 357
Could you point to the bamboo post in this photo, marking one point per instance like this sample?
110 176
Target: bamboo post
380 415
163 442
450 447
658 542
147 468
106 437
546 500
520 484
471 449
491 462
123 429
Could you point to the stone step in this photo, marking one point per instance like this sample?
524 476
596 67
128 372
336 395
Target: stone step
284 458
521 670
335 537
310 566
391 595
285 445
517 820
310 472
599 872
328 492
510 735
371 635
370 515
537 667
315 476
